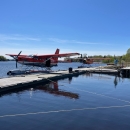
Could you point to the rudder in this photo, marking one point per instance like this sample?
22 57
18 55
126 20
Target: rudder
57 52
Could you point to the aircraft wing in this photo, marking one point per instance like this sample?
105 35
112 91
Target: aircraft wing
47 56
58 55
14 55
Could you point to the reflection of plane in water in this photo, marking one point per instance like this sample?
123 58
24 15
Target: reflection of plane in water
52 88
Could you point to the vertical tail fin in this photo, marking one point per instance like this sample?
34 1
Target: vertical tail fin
57 52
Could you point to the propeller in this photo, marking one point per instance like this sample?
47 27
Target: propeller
16 58
80 55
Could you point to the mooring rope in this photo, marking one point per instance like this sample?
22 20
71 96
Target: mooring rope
67 110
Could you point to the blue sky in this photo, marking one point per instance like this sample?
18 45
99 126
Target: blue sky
93 27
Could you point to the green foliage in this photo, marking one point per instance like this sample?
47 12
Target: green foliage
128 51
108 61
2 58
126 58
97 56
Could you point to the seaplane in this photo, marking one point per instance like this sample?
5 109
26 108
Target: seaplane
43 61
89 61
85 61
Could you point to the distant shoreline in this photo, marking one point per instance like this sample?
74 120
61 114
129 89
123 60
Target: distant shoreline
6 60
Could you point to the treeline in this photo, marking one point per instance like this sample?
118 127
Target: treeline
126 58
2 58
106 58
121 59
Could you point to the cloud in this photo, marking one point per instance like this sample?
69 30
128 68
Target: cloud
58 40
75 41
16 37
91 53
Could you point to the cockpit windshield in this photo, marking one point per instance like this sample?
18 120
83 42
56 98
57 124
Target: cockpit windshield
30 56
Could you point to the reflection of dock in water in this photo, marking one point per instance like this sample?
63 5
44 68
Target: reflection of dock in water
46 88
117 79
52 88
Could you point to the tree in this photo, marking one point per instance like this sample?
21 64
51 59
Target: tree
128 51
84 55
2 58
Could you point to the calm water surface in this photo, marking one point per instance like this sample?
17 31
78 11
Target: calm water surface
89 101
10 65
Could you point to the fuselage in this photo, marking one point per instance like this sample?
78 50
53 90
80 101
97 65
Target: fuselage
88 61
32 60
48 60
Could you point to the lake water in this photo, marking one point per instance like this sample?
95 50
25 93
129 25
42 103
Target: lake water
10 65
88 101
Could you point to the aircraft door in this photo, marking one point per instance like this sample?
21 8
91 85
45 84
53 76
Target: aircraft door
48 63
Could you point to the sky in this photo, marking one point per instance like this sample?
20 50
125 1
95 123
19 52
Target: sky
92 27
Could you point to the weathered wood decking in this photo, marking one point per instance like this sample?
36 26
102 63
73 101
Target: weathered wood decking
13 82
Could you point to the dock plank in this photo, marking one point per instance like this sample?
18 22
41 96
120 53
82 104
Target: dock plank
23 80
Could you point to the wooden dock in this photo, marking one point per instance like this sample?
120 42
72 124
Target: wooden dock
26 80
125 71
